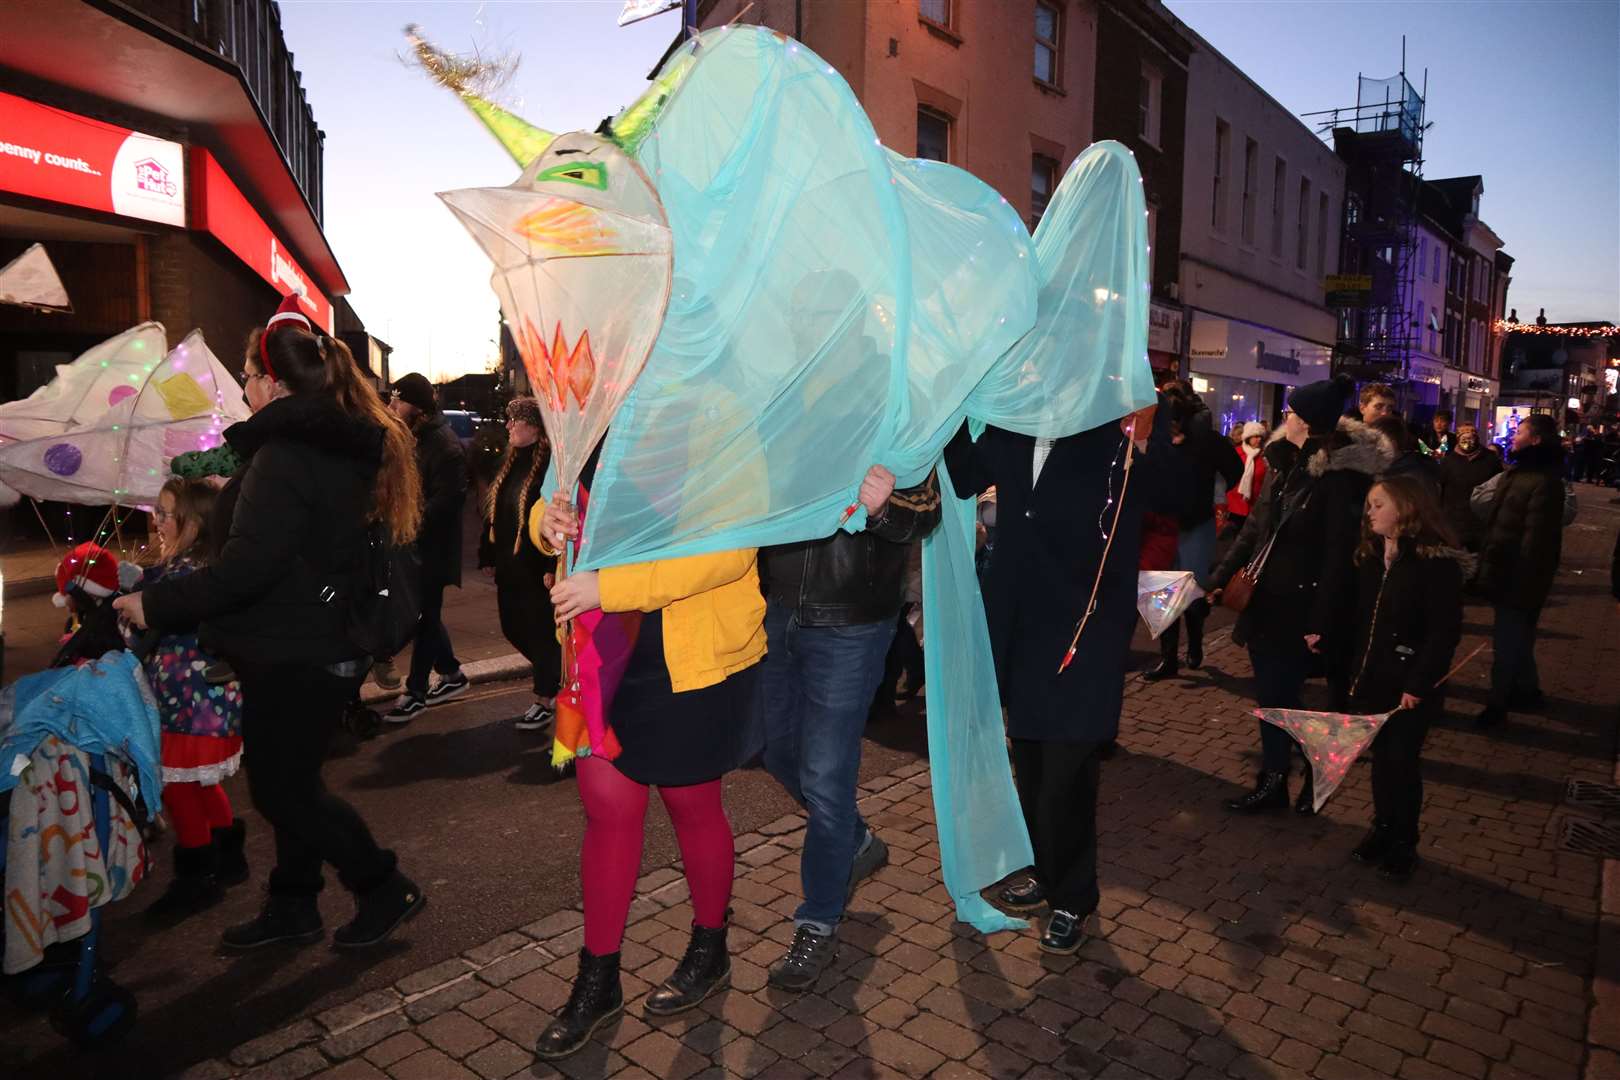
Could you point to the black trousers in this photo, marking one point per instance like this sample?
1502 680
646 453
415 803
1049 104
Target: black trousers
527 622
1280 668
1397 770
1057 789
289 712
1170 641
432 650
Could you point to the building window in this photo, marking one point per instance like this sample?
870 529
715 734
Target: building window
1042 179
935 11
1152 238
933 135
1251 166
1437 257
1150 95
1423 254
1303 247
1322 227
1279 203
1048 22
1217 206
1419 324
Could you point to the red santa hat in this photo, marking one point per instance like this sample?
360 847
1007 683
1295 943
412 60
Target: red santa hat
288 314
89 567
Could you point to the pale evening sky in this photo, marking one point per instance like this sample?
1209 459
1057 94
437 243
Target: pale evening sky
1525 94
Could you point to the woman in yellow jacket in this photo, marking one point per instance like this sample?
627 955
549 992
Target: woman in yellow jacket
684 715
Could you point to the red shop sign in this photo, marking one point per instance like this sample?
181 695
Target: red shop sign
62 157
220 208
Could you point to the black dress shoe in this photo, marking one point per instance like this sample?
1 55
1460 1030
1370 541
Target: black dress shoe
597 998
1026 895
1270 793
380 912
1164 669
1489 717
1306 803
1195 657
1063 935
295 920
1375 844
705 969
1399 861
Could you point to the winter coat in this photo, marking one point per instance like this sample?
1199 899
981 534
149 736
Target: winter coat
1408 620
443 468
1048 546
1211 455
1435 444
296 535
504 542
853 578
1524 535
1459 476
1307 585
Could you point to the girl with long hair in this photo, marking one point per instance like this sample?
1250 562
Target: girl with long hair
523 574
1409 578
322 462
202 723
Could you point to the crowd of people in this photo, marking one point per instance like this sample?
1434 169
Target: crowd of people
1344 541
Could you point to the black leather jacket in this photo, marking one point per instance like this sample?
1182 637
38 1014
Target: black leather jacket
851 578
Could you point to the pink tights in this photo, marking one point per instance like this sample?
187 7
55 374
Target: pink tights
615 814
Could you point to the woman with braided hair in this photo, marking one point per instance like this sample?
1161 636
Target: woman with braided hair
523 575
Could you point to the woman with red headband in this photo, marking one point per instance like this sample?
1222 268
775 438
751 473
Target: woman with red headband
322 461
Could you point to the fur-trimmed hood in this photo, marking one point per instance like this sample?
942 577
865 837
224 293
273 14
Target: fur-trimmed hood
1355 447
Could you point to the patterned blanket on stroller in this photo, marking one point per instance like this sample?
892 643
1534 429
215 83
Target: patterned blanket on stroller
56 872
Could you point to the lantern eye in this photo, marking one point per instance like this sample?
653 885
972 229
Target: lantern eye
591 174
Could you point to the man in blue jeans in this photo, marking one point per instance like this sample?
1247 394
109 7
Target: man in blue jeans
831 610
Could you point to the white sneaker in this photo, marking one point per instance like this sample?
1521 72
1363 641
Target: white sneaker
448 687
538 718
404 709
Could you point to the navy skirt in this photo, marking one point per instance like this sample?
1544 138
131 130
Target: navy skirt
671 739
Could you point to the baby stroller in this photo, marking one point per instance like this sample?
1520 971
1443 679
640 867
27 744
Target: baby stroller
68 732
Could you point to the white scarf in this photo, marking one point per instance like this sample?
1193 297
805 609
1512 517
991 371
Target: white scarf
1246 485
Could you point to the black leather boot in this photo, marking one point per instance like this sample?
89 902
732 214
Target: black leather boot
597 998
193 889
1306 803
230 858
291 918
1169 646
1399 861
1197 612
705 969
1375 844
380 911
1270 793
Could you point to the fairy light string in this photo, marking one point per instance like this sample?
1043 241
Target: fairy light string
1127 453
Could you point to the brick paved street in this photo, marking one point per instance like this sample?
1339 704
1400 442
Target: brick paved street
1223 947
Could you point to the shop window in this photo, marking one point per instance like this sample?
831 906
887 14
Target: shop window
933 135
1048 26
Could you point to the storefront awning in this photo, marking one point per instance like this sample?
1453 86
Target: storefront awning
102 49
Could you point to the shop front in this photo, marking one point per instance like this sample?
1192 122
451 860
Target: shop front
1164 341
1244 371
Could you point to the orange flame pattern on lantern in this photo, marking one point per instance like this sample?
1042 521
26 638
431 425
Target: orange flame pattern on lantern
568 229
558 371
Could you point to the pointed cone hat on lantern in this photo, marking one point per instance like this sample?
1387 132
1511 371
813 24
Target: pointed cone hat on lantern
473 79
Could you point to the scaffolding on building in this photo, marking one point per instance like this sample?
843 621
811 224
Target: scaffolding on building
1380 140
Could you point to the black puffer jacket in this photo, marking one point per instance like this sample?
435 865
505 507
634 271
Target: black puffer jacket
297 527
1524 535
1210 454
1459 476
443 466
1307 585
1408 623
851 578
